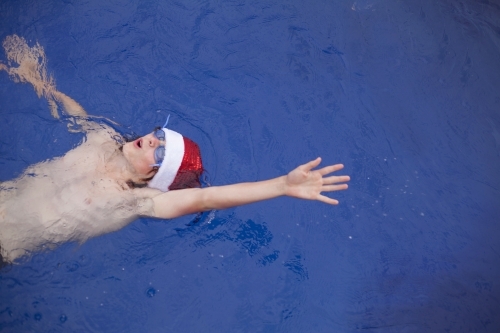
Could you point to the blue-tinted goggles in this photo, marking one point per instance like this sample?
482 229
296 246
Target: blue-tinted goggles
160 150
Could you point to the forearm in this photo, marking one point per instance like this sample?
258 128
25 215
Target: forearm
221 197
172 204
71 107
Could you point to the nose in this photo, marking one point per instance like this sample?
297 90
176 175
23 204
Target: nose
153 141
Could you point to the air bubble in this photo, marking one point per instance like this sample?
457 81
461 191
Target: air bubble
151 292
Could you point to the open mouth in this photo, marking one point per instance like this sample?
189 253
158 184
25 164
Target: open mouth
138 143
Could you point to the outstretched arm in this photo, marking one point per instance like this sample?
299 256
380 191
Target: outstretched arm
303 183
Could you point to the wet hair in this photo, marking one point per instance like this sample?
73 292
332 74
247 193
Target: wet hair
131 184
144 181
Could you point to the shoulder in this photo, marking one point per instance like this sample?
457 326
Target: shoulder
144 200
172 204
102 132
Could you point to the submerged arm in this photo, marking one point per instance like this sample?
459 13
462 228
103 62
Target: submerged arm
303 183
71 108
32 68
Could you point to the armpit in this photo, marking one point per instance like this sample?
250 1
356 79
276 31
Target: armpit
145 207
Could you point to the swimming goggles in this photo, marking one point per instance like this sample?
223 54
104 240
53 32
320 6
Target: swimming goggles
159 133
160 150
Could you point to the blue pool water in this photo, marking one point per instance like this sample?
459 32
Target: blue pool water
404 93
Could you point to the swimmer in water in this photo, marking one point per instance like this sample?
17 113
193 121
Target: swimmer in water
104 184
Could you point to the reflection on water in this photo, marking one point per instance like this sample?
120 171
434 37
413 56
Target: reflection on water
364 5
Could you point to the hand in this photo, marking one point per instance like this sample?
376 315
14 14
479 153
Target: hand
305 183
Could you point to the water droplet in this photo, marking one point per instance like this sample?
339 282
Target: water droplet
63 318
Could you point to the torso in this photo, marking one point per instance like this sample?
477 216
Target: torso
70 198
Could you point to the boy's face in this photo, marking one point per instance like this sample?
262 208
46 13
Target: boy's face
140 154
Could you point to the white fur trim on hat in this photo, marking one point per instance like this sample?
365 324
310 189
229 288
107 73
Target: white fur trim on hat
174 152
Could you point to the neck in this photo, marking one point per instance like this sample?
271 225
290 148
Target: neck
118 167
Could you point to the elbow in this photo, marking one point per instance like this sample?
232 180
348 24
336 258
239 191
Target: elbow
203 201
210 198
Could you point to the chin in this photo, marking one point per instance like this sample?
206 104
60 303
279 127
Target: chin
127 148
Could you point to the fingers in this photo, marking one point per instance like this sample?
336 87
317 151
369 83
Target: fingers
327 200
331 168
323 171
311 165
335 179
330 183
331 188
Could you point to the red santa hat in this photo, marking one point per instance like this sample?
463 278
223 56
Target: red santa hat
182 165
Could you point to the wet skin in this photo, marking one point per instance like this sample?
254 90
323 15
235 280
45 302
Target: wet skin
140 154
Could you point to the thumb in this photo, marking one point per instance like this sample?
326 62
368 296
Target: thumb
312 164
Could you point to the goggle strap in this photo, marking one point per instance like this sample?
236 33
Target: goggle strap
165 125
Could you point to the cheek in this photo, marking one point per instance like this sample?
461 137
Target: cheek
143 164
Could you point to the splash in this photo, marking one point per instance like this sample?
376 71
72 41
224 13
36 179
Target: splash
363 5
32 68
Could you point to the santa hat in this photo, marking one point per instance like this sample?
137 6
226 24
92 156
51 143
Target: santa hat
181 167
